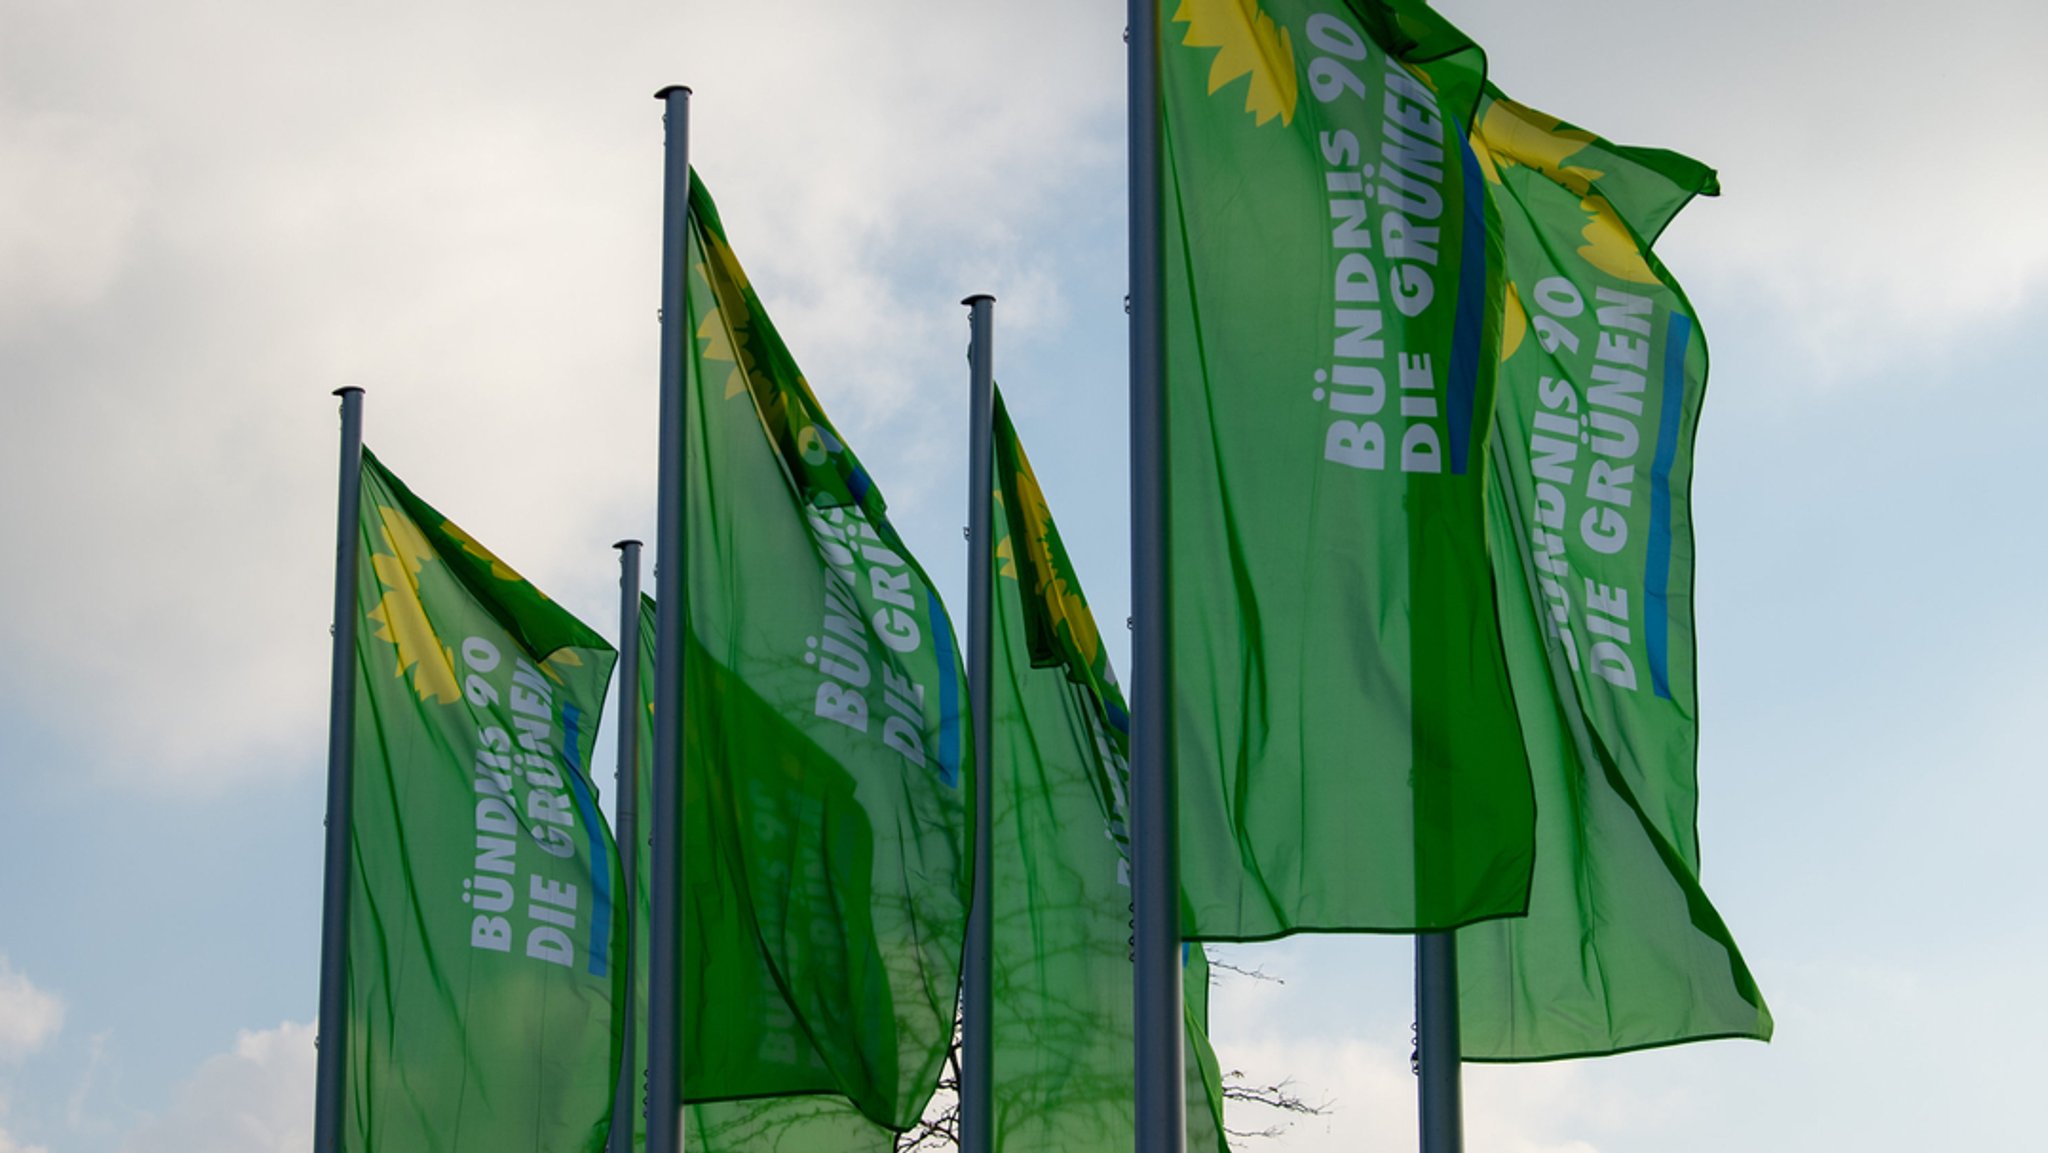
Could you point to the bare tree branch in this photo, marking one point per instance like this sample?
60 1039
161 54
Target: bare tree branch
1255 974
1280 1096
939 1129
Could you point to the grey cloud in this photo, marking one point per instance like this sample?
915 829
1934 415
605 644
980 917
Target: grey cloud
247 205
1879 161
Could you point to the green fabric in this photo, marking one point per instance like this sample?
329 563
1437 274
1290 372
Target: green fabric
1204 1081
813 1124
635 1065
783 1125
1061 920
482 986
1601 378
643 865
1347 747
825 814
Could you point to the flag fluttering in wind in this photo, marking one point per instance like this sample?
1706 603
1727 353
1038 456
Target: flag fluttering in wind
483 989
807 1124
825 744
1061 912
1602 370
1347 750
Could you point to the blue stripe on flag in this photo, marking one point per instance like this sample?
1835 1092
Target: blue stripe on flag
599 948
1463 385
949 691
1657 566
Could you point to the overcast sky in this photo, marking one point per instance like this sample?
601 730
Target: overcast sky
212 214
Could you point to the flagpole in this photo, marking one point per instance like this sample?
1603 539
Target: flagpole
1155 883
664 969
625 1100
341 732
977 1003
1436 1043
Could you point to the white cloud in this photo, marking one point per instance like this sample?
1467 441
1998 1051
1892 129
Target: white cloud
1880 202
482 255
1337 1029
1371 1100
255 1098
29 1016
68 198
200 268
1330 1044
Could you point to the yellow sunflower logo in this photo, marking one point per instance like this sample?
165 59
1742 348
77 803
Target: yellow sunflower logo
1248 43
1057 589
727 327
400 617
1511 134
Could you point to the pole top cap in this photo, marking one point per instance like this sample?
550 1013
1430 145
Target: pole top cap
627 543
345 389
978 298
673 88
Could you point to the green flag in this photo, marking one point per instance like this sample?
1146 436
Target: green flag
1346 743
826 755
642 713
783 1125
815 1124
1061 888
482 986
1602 372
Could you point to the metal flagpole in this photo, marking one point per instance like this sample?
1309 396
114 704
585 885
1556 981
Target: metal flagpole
977 1005
341 731
625 1102
1155 881
1436 1042
664 970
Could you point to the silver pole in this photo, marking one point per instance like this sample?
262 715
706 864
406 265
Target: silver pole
341 732
1155 881
1436 1042
664 969
977 1003
625 1101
